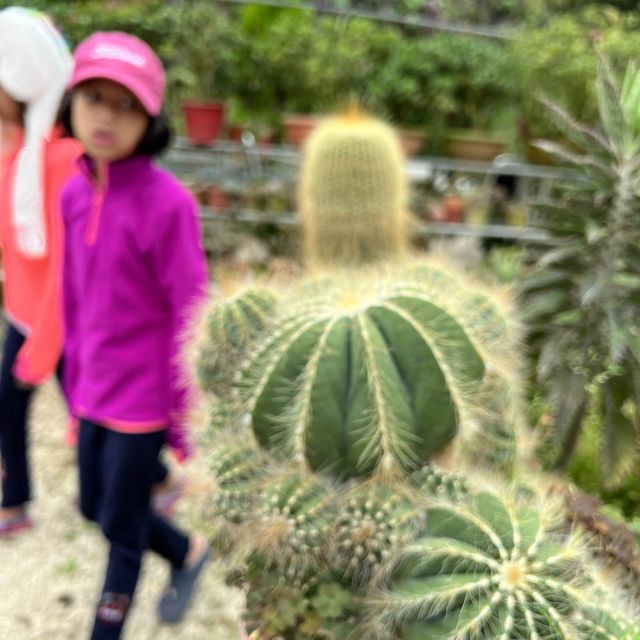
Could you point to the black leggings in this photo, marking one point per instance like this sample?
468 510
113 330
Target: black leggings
14 407
117 471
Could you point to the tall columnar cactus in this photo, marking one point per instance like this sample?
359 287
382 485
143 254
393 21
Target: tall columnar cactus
229 326
353 193
381 373
497 569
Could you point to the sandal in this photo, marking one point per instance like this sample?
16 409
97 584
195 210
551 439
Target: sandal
176 599
15 524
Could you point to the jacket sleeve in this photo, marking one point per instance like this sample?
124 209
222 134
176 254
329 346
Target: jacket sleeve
181 268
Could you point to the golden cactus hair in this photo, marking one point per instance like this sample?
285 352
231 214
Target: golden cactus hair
353 193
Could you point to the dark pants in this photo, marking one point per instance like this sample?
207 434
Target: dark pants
117 471
14 406
14 409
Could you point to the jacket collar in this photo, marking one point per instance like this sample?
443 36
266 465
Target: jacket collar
119 173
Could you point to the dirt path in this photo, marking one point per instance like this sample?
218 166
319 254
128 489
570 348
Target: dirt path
50 577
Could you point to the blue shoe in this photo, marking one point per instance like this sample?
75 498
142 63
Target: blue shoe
176 599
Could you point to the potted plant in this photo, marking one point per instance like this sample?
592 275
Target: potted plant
202 79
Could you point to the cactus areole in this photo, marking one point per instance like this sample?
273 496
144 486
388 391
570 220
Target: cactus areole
360 377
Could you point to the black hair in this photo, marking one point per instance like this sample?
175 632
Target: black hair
155 140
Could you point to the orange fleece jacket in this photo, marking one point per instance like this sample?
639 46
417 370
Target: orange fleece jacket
32 287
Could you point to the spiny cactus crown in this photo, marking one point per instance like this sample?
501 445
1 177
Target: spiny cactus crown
378 374
497 569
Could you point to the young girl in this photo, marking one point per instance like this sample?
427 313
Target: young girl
35 162
134 268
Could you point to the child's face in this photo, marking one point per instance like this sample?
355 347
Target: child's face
107 119
10 110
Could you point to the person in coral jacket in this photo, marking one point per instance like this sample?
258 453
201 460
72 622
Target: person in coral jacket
35 163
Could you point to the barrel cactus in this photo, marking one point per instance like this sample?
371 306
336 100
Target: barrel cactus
495 568
378 374
237 471
229 326
353 193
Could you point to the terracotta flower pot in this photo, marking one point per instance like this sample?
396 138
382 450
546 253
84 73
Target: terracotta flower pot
453 209
203 120
217 198
297 128
412 140
474 145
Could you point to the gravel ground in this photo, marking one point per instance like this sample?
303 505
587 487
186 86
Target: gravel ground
50 577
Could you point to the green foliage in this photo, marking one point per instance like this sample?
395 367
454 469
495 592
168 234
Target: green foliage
586 471
502 264
447 79
558 60
306 63
321 608
581 291
496 567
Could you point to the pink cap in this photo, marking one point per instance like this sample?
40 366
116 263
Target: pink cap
125 59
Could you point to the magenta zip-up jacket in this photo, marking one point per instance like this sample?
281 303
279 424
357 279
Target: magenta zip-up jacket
134 272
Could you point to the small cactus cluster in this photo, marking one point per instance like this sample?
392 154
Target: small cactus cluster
433 482
372 522
497 568
292 524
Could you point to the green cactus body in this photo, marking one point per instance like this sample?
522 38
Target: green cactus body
372 523
353 193
293 524
237 470
434 482
493 569
231 326
378 373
